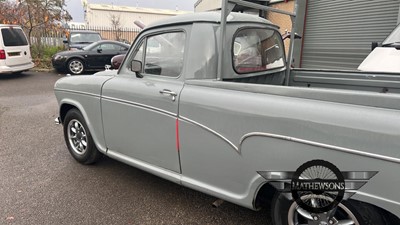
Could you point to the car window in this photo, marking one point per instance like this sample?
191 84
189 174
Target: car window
139 53
257 50
122 48
108 47
13 37
164 54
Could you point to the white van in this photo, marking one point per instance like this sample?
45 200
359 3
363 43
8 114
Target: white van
15 54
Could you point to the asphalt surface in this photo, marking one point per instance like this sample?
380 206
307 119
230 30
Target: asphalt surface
40 183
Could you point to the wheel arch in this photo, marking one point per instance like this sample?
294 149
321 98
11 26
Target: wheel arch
76 57
264 195
64 108
66 105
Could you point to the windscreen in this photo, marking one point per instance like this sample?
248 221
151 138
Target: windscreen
13 37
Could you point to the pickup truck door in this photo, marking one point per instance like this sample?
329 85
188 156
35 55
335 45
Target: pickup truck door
140 112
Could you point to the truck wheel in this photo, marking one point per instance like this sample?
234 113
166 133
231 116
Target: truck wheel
76 66
286 212
78 138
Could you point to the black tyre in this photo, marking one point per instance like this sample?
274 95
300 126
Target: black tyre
284 212
75 66
78 138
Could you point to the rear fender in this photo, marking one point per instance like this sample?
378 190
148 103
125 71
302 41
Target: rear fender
286 154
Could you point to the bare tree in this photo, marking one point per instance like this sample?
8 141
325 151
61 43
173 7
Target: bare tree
116 26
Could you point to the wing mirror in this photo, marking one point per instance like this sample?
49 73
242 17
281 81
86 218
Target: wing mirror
136 66
99 50
116 61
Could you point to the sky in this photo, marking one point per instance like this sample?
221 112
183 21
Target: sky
75 8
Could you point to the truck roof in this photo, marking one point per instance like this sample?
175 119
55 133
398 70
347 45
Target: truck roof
211 17
10 25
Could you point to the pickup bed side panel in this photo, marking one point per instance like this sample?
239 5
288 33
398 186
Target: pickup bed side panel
214 120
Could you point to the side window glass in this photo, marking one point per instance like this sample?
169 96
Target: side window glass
122 48
108 47
94 48
97 48
136 54
164 54
257 50
139 53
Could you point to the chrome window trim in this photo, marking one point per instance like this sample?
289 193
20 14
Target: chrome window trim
140 105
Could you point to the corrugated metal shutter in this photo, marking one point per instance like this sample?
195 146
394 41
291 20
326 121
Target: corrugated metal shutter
338 33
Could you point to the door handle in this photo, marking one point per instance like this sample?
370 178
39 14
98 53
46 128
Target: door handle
170 93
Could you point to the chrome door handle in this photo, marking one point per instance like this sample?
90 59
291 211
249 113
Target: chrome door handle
170 93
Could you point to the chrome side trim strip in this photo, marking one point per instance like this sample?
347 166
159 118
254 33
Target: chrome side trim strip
238 149
317 144
211 131
140 105
57 121
376 197
77 92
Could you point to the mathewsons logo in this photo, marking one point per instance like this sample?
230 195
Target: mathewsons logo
318 186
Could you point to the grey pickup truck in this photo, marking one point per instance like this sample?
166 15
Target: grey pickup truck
208 100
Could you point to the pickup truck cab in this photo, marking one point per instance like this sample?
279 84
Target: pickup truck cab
238 134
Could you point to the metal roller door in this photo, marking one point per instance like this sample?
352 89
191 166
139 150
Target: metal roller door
338 33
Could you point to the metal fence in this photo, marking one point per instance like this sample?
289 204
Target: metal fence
55 38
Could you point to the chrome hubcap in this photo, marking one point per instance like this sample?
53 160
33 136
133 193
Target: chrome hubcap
76 67
77 137
341 216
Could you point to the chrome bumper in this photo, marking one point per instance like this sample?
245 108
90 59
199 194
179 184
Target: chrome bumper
57 120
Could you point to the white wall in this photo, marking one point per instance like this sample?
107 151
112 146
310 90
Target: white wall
103 18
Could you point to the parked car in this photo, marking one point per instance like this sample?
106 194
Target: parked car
92 57
15 54
77 39
195 113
